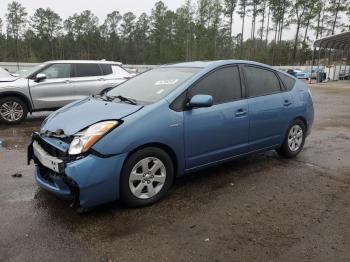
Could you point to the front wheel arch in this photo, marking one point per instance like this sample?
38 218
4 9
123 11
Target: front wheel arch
19 96
126 194
162 146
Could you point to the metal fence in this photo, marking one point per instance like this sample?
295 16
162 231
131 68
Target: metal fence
332 71
14 67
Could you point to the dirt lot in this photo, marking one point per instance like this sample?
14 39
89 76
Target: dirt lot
260 208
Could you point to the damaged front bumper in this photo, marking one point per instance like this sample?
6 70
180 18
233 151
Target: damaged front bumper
88 180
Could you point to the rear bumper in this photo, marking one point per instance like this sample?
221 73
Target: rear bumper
88 182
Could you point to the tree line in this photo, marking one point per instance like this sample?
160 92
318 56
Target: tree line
201 30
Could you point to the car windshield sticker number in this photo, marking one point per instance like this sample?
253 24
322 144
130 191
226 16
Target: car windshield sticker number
166 82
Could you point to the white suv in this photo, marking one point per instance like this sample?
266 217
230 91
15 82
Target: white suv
54 84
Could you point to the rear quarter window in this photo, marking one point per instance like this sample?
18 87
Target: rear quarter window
287 81
106 69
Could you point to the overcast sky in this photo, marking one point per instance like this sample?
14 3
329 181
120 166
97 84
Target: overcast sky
101 8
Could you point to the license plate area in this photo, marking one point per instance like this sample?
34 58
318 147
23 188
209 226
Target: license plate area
53 163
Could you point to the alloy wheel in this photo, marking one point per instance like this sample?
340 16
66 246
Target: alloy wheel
295 138
147 178
11 111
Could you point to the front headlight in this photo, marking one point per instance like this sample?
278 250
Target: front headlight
84 140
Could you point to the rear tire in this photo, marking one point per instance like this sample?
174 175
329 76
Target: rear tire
146 177
13 110
294 140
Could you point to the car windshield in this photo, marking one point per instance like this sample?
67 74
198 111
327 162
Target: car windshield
28 72
153 85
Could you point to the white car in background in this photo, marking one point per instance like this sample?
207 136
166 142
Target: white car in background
54 84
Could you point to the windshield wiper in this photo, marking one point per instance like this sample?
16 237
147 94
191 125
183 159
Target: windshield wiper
121 98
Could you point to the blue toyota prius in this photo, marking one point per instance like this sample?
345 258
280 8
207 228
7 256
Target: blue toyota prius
131 142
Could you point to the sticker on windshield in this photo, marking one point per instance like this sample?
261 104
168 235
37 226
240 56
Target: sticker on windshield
166 82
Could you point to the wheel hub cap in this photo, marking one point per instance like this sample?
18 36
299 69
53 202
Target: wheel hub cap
147 178
295 138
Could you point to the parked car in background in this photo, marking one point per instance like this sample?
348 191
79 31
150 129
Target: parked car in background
133 141
344 74
54 84
299 73
320 72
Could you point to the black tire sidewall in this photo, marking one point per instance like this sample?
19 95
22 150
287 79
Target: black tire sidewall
285 150
19 101
126 195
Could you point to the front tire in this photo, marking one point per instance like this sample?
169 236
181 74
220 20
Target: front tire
294 140
12 110
146 177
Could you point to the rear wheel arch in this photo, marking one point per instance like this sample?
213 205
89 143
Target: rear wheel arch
302 119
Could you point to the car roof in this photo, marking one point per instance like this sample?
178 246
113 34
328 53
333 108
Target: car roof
83 62
215 63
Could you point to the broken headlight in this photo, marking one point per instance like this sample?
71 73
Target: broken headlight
85 139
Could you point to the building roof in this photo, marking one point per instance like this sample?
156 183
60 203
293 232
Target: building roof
339 41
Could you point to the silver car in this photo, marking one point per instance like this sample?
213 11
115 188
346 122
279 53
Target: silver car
54 84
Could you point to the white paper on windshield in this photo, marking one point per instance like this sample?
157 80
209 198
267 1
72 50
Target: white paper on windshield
166 82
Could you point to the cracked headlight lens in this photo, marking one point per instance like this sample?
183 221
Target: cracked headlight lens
85 139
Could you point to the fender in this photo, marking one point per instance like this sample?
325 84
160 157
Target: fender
19 95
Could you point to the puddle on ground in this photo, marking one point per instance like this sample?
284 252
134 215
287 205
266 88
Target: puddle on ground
18 136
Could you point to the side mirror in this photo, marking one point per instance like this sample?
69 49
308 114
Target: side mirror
39 77
201 101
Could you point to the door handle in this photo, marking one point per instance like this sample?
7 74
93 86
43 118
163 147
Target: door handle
287 102
102 79
68 81
241 112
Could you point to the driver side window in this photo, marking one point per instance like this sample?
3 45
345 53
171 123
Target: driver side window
223 85
57 71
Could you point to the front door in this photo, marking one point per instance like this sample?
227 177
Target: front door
56 90
220 131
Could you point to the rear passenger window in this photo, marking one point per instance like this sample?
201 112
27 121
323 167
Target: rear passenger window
106 69
287 81
82 70
223 85
261 81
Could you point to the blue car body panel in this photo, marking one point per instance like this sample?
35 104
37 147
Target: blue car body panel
97 179
194 138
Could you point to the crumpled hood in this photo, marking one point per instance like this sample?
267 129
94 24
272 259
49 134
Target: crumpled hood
80 114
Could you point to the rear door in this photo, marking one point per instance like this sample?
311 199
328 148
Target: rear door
56 90
267 107
88 79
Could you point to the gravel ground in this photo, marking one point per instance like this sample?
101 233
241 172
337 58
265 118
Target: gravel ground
258 208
